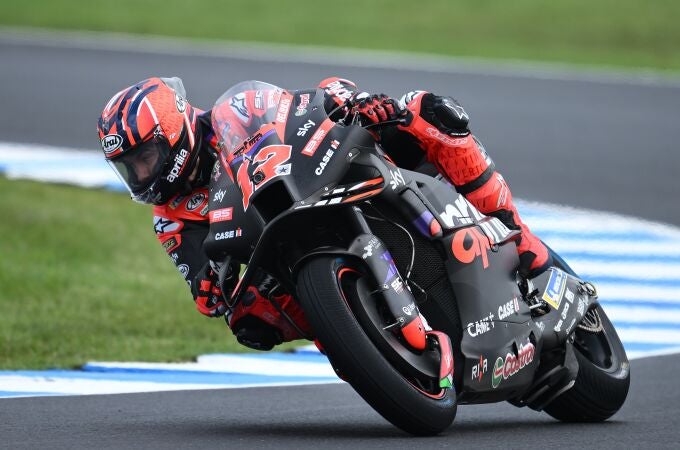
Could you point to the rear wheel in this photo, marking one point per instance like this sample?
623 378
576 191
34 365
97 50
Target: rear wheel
603 378
401 384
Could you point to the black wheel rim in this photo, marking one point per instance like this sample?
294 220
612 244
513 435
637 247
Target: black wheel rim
421 369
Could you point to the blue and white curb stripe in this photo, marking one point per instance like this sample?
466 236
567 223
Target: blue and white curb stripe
635 265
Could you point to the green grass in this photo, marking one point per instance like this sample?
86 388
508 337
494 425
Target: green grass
625 33
82 278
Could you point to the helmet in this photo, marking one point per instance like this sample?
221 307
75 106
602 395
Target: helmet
149 136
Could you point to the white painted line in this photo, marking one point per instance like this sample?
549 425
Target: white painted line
635 292
643 315
244 364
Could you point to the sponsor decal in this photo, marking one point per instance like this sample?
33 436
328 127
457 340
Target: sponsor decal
111 142
317 137
408 310
284 107
180 103
398 286
162 225
175 203
506 367
569 295
460 213
180 159
196 201
565 310
481 326
238 105
335 144
337 89
221 215
581 306
541 326
571 325
216 172
170 244
397 179
184 270
324 161
301 109
373 244
558 326
204 211
456 109
259 100
174 257
555 289
302 131
445 138
479 369
228 234
273 98
507 309
219 195
468 244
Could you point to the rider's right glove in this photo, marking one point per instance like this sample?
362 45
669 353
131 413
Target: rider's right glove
445 113
376 109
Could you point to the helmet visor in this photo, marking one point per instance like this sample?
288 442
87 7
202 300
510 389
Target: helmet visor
141 166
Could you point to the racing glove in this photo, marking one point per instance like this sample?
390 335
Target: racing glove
376 109
445 113
207 293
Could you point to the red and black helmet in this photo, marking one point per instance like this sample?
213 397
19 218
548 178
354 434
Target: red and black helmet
149 135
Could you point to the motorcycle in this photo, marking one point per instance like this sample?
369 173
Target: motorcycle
412 293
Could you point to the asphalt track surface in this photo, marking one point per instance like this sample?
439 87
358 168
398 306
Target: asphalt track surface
589 140
329 416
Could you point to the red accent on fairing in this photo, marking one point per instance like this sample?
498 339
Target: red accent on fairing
368 183
414 333
318 136
446 363
362 195
435 228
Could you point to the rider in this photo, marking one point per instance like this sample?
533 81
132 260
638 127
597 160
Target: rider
163 150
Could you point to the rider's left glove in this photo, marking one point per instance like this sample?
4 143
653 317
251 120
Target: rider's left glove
207 294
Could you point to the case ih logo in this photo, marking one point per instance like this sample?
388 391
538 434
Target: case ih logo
505 368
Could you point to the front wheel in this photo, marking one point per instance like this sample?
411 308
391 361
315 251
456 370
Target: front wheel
339 301
603 377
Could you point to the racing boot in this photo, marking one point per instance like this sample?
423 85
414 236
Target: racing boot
440 125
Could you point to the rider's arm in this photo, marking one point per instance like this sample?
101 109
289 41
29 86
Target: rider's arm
181 226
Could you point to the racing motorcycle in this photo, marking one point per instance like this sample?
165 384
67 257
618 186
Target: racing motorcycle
411 292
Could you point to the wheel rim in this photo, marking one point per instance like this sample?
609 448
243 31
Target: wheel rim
593 342
420 369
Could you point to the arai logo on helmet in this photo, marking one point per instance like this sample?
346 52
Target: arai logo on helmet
181 103
111 142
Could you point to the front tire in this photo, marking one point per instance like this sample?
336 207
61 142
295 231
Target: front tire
327 301
603 378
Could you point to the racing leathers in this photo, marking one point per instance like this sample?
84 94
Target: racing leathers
431 127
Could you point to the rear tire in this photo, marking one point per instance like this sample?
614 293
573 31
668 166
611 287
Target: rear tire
326 299
603 378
